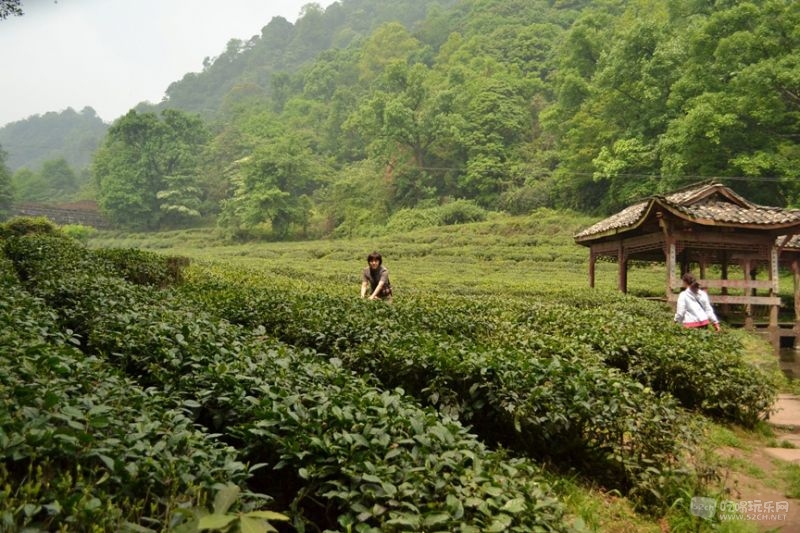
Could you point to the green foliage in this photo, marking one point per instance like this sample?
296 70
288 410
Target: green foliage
793 477
344 453
461 212
392 105
456 212
308 384
142 267
526 199
221 520
146 169
78 232
81 446
702 371
410 219
671 96
283 47
67 134
516 386
19 226
272 186
55 181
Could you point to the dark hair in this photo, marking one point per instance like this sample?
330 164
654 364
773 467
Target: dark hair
375 255
691 281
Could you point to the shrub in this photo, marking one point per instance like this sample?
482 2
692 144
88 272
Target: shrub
461 212
142 267
83 448
18 226
78 231
410 219
344 453
549 398
526 199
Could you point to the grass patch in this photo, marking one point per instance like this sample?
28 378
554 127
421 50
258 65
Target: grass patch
792 478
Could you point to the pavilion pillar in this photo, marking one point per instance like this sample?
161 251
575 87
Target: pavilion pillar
671 253
748 307
685 264
622 274
774 331
592 263
724 275
796 280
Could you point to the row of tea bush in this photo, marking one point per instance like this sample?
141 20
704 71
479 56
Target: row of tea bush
295 429
598 383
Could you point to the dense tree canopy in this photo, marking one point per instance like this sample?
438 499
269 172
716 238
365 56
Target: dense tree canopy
146 170
55 181
272 187
672 92
68 134
369 107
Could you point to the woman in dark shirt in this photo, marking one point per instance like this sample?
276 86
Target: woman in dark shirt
375 279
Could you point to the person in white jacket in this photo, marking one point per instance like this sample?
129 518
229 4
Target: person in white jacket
694 307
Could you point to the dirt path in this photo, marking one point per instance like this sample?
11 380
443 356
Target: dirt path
756 479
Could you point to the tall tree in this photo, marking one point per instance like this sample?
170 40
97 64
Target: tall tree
273 186
146 170
495 122
55 181
406 120
60 178
737 101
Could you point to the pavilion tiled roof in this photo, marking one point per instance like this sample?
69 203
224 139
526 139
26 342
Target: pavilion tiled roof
709 203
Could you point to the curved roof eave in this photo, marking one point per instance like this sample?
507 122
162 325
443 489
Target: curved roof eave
622 229
664 204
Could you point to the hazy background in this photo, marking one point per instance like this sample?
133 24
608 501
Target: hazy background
113 54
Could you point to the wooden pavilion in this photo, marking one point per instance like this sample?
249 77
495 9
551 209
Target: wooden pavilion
704 225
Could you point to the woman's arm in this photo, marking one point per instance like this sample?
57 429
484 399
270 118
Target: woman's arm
709 309
377 291
364 287
681 308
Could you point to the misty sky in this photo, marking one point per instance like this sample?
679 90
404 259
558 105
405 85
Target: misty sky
113 54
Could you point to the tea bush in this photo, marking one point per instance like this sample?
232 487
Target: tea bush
343 453
79 232
143 267
552 398
80 444
18 226
702 370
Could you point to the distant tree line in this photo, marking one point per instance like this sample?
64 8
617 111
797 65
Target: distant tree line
68 134
369 108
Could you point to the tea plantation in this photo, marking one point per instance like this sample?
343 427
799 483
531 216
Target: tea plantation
143 393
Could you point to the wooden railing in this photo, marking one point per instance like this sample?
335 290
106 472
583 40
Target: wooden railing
60 215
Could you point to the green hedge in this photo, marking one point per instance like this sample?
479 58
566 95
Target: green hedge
340 452
82 446
703 370
548 397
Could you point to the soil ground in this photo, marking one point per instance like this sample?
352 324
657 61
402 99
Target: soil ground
758 474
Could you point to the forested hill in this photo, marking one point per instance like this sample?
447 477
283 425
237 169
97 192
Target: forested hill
69 135
258 67
244 70
347 120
